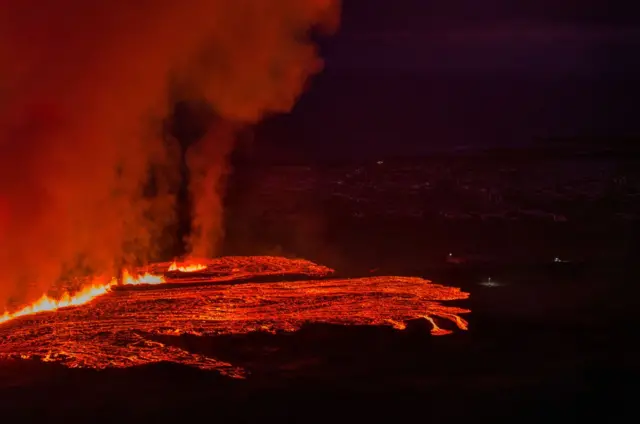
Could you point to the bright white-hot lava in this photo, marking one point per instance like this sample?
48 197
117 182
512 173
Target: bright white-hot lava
146 278
187 267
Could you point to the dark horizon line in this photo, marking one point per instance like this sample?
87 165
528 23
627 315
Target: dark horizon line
548 149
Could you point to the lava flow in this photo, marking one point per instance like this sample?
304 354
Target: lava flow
126 328
85 295
146 278
226 269
46 303
187 267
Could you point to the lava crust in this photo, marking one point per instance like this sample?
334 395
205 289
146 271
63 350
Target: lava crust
120 328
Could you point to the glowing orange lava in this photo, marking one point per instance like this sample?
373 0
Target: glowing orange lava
187 267
231 267
123 329
85 295
146 278
46 303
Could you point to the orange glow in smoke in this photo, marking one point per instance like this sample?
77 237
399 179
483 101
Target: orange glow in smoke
187 267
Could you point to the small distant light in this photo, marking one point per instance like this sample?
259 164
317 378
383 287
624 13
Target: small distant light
380 162
490 283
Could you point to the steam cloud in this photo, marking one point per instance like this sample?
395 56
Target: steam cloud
84 86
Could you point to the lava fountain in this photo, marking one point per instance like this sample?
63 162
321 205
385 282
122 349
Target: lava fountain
187 267
145 278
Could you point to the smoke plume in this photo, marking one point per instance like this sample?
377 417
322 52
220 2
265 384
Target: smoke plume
83 88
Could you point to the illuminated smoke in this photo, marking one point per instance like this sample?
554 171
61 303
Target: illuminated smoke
207 161
83 87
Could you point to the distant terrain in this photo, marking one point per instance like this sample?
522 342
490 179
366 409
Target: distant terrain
524 206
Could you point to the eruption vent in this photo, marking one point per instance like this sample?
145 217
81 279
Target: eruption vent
85 295
146 278
187 267
83 86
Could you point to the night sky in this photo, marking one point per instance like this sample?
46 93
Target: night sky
414 76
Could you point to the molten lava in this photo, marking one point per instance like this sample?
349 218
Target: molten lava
187 267
146 278
122 329
46 303
86 295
